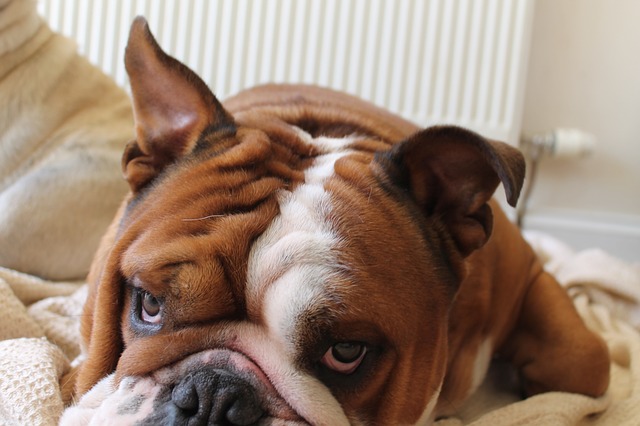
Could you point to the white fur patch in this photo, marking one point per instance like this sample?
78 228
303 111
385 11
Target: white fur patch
295 259
324 144
428 415
481 364
104 403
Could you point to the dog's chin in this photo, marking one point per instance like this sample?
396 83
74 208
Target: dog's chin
211 387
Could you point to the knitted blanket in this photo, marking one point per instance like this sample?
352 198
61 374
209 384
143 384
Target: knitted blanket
39 342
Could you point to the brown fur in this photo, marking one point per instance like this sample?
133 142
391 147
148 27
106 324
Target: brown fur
435 267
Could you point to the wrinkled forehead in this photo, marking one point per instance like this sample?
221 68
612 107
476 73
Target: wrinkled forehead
244 225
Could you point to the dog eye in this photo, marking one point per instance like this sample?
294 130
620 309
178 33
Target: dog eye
150 308
344 357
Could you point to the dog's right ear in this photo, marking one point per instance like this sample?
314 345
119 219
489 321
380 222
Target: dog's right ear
172 107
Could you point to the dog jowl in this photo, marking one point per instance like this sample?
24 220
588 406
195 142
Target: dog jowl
298 256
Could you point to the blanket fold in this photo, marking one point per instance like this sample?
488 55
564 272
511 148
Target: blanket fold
39 336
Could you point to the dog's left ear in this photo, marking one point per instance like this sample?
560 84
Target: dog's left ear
452 173
172 107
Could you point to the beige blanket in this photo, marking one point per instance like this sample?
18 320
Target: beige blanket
39 341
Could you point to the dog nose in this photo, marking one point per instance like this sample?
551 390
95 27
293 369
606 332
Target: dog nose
211 396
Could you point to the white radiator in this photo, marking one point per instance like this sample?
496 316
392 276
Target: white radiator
437 61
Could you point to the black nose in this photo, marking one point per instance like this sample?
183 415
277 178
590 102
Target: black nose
211 396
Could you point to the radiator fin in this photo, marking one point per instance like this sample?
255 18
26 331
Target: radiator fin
432 61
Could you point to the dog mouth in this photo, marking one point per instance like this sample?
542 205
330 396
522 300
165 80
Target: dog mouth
221 386
218 386
215 386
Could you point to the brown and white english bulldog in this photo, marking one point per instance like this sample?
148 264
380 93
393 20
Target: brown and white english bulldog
298 256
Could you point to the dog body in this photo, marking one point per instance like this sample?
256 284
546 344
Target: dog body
298 256
63 126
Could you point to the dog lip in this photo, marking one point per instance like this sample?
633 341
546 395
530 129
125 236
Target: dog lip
238 362
142 358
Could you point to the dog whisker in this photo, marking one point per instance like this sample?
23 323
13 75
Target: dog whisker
202 218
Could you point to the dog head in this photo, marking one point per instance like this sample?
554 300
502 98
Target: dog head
265 270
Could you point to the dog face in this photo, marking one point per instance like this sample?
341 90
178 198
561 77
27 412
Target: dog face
291 262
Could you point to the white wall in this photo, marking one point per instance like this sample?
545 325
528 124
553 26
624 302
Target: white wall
584 72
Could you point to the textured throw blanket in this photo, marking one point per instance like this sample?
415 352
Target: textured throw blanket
39 342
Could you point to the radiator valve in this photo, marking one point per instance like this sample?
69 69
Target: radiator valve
560 143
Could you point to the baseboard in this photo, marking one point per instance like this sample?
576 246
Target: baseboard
618 235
